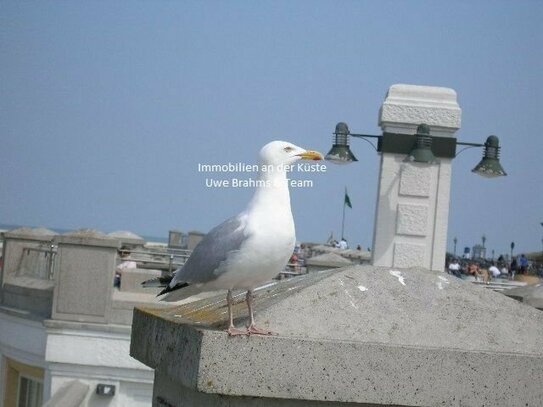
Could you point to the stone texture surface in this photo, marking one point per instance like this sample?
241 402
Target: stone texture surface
413 104
412 219
368 335
408 254
415 181
84 276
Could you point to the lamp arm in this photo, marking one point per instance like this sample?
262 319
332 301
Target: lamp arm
365 138
469 145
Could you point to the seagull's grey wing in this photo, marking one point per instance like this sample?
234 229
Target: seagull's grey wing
212 251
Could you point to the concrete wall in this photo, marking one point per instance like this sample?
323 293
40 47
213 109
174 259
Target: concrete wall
84 278
194 238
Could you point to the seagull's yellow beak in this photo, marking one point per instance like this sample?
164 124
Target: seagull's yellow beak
310 155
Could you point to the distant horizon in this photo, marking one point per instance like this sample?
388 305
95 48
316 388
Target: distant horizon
149 238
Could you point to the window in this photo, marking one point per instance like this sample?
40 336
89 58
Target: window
23 384
29 392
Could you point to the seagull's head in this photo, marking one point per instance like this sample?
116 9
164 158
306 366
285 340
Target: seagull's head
283 153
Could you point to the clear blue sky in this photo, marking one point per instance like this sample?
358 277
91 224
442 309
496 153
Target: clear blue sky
106 108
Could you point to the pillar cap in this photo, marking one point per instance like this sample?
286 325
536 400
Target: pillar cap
406 106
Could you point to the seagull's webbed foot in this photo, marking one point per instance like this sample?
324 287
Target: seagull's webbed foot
233 331
254 330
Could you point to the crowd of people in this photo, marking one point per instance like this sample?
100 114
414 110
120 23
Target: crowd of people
485 270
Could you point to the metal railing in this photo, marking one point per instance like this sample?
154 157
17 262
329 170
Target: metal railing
43 267
49 256
168 258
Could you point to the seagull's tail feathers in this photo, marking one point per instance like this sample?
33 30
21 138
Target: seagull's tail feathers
162 281
169 289
176 294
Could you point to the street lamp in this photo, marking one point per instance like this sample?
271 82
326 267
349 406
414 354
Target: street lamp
512 247
420 147
455 240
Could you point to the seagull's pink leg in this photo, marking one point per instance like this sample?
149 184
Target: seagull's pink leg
232 330
253 329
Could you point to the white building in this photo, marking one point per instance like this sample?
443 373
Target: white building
64 329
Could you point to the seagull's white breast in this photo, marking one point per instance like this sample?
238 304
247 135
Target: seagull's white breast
270 242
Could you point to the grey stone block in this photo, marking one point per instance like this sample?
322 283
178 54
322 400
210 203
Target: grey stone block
366 335
84 276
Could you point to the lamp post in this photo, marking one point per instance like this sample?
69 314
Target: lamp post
455 241
483 252
416 146
512 247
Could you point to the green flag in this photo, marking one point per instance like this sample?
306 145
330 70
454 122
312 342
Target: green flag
347 200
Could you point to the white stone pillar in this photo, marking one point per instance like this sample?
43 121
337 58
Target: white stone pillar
413 198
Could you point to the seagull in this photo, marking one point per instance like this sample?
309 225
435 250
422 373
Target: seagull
252 247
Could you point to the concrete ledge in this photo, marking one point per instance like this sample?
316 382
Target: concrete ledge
296 368
30 294
366 335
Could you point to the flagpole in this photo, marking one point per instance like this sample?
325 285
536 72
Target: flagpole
343 220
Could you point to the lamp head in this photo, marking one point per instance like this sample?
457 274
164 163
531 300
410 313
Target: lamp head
422 152
340 152
490 166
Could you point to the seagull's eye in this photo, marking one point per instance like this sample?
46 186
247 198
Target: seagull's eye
288 149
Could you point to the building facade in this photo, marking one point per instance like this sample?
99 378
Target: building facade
64 327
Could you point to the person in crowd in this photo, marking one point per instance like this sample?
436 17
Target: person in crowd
454 268
504 270
513 268
473 270
523 264
125 264
494 271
